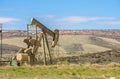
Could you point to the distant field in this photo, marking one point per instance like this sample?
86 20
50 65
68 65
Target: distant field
74 43
79 44
70 47
17 41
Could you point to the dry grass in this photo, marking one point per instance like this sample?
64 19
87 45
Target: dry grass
66 43
113 64
96 65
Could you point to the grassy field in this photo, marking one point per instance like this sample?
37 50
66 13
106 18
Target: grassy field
81 71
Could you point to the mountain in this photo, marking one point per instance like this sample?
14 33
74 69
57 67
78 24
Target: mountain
102 33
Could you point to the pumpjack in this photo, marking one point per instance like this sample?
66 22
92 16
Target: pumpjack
28 54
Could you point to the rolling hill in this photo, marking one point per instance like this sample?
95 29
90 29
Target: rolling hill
74 44
93 46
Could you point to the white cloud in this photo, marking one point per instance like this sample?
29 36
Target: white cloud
48 16
110 22
8 20
80 19
75 19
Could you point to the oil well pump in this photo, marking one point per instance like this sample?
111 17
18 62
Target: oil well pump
28 54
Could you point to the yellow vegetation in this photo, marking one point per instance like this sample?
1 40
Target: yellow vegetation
113 64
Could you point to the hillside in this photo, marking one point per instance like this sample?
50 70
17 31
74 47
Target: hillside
72 41
79 44
72 44
99 57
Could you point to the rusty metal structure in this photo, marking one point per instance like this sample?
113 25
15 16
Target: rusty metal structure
1 40
28 54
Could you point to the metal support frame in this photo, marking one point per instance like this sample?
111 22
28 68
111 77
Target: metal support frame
1 38
45 44
27 30
49 53
44 52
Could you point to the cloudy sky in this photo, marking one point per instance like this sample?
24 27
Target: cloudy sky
61 14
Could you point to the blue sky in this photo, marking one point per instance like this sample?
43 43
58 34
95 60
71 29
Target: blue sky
61 14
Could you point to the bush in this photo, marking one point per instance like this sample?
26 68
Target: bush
96 65
113 64
66 62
